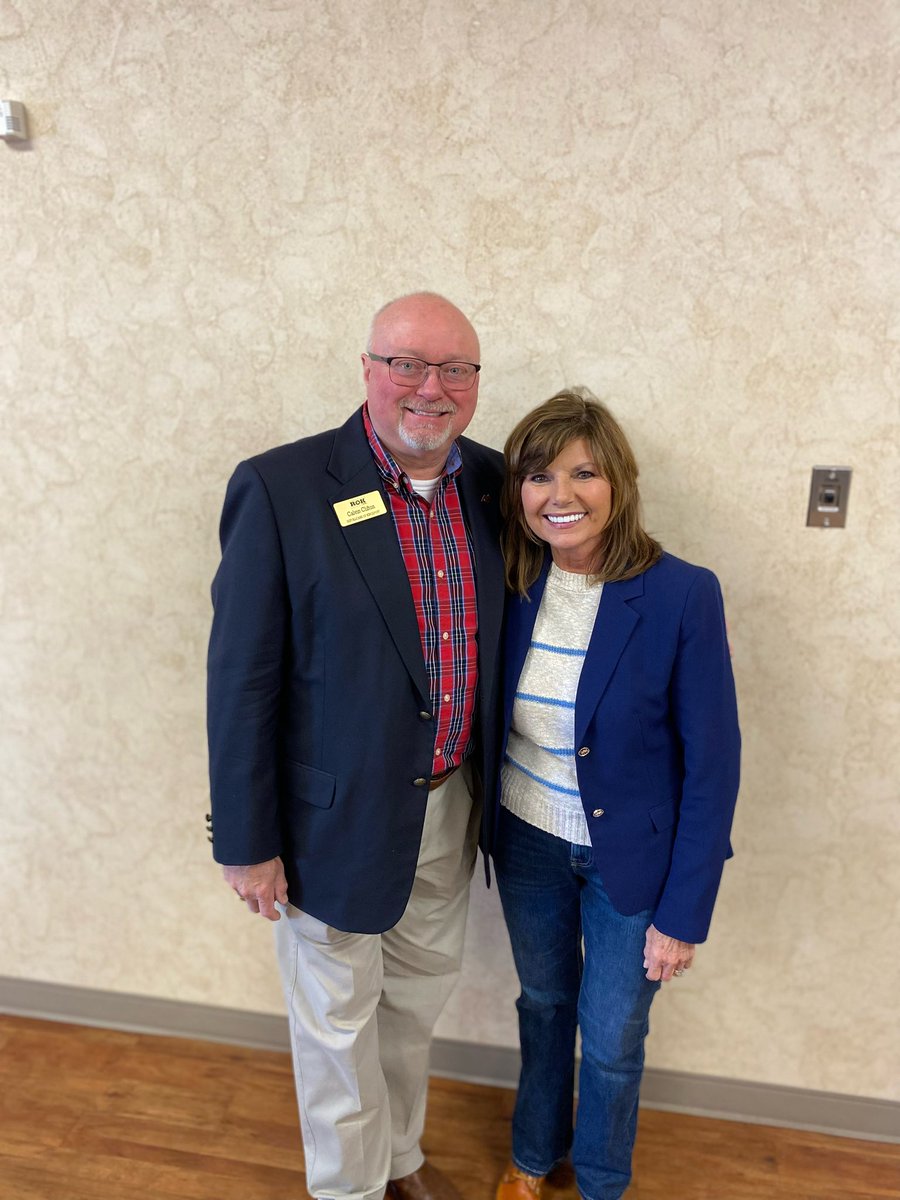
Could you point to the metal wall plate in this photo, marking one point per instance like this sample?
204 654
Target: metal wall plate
829 490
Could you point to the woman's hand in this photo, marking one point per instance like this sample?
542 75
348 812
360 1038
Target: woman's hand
665 956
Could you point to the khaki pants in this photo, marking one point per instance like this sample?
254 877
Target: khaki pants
362 1008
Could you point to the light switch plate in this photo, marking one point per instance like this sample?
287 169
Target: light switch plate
829 490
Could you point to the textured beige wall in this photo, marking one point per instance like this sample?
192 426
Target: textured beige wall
687 206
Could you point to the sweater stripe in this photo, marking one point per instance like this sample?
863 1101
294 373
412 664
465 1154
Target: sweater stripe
545 700
551 649
547 783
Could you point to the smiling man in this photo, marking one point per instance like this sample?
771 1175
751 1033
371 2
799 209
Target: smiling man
351 723
416 418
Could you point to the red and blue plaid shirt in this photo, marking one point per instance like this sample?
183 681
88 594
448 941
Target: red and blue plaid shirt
440 564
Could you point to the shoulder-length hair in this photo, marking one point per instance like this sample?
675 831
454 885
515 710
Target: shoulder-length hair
540 437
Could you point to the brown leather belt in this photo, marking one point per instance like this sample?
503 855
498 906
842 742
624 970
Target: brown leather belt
437 780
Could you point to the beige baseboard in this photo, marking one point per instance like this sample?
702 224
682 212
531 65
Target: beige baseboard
673 1091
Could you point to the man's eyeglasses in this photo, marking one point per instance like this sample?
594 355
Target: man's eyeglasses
410 372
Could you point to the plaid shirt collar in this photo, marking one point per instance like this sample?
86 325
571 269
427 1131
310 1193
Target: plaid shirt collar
389 468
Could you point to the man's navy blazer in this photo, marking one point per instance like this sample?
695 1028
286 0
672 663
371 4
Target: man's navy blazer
319 711
656 737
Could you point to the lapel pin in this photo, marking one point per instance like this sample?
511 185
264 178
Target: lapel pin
486 498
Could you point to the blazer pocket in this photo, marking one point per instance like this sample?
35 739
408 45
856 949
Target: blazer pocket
308 784
663 816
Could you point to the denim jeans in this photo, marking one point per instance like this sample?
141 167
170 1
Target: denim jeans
552 899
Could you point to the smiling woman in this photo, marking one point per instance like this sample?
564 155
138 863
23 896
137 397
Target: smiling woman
567 505
570 459
617 789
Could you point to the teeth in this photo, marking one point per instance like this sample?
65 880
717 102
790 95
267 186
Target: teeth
567 520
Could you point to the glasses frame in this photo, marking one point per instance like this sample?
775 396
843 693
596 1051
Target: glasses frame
412 357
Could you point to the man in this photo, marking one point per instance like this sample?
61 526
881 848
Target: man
352 697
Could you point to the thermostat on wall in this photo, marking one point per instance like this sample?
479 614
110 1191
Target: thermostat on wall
13 122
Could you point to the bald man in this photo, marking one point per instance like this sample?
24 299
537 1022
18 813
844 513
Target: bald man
352 696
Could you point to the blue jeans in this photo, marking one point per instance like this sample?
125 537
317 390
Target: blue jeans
552 899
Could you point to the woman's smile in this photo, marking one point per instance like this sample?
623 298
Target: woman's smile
568 504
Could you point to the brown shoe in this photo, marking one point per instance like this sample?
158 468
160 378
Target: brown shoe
517 1185
428 1183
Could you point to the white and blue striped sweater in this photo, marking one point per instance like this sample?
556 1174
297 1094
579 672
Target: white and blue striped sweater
538 782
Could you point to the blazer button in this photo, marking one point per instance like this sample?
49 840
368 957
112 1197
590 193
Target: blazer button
584 751
420 782
425 716
598 812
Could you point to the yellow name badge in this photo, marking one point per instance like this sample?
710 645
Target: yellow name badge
360 508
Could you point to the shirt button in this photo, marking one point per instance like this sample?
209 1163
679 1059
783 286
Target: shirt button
438 752
445 636
598 812
440 574
420 782
584 751
425 716
446 697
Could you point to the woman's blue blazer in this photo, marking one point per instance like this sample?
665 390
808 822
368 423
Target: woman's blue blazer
656 739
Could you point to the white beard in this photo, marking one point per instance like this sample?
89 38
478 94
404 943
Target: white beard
423 440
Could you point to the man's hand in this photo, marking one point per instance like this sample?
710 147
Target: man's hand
260 885
665 956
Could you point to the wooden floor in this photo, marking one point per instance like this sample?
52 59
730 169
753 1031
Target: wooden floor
88 1114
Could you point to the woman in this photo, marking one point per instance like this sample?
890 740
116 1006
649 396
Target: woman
618 785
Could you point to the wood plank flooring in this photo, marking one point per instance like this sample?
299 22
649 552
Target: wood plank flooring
91 1114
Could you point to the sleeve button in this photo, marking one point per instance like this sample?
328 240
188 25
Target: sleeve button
420 782
425 716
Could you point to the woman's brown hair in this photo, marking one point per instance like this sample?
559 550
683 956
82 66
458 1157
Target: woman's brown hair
536 441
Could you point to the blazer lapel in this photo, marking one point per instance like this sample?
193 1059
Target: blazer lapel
615 623
376 549
481 511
